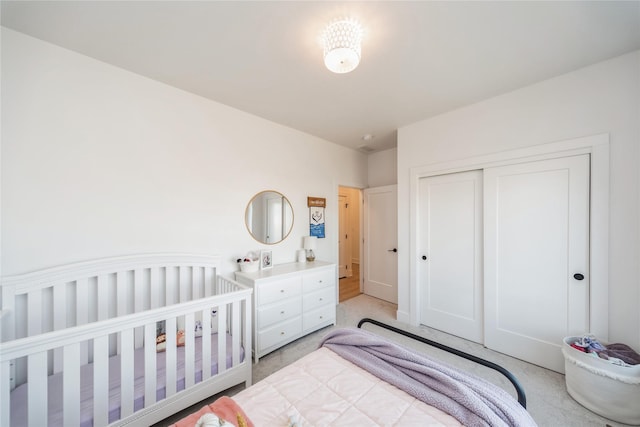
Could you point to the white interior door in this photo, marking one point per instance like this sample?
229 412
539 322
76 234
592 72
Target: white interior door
450 253
380 243
536 246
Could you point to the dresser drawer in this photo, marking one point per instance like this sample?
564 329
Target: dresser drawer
279 290
316 317
279 333
318 280
319 298
279 312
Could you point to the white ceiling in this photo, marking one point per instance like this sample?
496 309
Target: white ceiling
419 59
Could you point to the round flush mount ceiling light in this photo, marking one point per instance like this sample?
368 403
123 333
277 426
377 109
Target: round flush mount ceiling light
342 41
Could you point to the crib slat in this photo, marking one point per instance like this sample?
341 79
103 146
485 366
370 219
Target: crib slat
206 344
235 330
103 297
8 331
82 299
246 334
122 293
155 287
208 282
172 283
189 350
149 364
138 303
122 297
222 338
126 373
5 393
82 314
101 380
59 320
184 284
197 286
34 310
60 303
138 284
71 384
37 396
171 355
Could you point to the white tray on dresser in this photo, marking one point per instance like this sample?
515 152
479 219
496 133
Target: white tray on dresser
289 302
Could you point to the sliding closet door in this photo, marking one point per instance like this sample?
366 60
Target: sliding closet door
536 257
450 253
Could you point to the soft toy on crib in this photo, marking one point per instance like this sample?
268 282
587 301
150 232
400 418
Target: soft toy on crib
180 338
161 340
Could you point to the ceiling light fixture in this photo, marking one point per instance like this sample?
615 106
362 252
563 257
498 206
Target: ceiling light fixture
342 41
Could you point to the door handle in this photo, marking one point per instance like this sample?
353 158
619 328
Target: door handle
424 257
578 276
393 250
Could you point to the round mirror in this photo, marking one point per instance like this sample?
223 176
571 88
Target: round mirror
269 217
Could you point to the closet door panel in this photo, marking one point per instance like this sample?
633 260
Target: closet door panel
450 253
536 238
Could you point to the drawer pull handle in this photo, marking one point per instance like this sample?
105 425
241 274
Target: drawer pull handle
281 333
320 281
282 312
320 317
281 290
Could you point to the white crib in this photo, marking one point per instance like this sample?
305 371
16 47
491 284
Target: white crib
73 340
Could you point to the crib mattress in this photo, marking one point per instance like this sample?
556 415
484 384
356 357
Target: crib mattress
19 394
323 389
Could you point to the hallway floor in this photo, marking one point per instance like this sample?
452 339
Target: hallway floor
350 286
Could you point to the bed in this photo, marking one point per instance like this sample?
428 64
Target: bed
357 378
120 340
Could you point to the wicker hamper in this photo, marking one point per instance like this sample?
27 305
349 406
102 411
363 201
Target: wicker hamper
609 390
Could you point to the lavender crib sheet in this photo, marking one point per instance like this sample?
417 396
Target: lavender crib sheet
19 394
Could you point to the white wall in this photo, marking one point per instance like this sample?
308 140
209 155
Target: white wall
382 168
98 161
603 98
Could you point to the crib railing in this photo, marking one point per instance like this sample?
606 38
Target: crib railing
233 308
62 297
71 295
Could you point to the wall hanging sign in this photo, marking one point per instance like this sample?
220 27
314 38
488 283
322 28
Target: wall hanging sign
316 216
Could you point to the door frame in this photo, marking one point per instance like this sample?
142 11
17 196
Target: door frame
333 231
598 147
344 226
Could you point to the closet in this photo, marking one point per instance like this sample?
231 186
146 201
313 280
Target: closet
502 254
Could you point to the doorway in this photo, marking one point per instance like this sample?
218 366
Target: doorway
349 242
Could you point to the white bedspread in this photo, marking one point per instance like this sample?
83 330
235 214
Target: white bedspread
329 390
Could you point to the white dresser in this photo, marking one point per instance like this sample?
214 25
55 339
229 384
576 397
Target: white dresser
290 301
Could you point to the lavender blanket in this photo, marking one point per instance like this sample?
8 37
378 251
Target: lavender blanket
471 400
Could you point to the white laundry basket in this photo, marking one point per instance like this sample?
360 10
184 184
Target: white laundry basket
609 390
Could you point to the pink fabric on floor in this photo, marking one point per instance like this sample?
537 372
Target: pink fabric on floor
225 408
